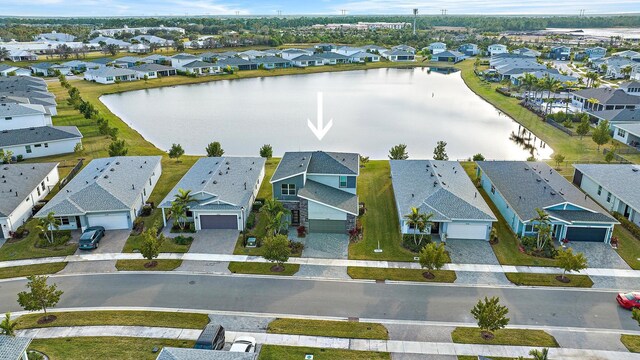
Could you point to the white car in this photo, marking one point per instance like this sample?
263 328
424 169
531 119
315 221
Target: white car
244 344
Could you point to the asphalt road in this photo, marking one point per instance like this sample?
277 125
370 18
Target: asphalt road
543 307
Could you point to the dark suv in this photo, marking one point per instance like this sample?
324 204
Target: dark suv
91 237
211 338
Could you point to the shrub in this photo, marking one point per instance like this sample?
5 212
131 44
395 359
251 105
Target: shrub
296 247
627 224
60 237
20 232
409 244
257 205
146 210
19 158
138 226
529 245
251 220
302 231
183 240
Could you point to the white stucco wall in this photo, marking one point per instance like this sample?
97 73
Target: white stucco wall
24 122
54 148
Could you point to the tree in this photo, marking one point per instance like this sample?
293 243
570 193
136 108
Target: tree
432 257
176 151
543 225
179 206
568 262
440 151
601 134
539 354
150 247
478 156
491 316
8 327
610 155
118 148
399 152
419 222
266 151
40 295
277 250
47 225
583 127
6 156
558 159
276 216
214 149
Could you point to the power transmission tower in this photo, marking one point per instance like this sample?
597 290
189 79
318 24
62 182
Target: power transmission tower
415 16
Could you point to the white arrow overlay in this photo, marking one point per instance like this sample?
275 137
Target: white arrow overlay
320 130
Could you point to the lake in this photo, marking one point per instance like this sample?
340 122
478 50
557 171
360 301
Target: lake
372 110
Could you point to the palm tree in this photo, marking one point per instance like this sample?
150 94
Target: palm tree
4 53
626 71
529 80
184 197
49 224
593 102
276 215
418 222
539 354
8 327
543 225
180 206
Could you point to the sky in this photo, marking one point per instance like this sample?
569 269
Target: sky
306 7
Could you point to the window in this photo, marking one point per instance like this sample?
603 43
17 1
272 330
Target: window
109 78
42 185
288 189
37 145
64 221
144 192
38 191
150 181
622 133
608 197
343 181
528 228
27 148
8 118
493 189
46 145
599 190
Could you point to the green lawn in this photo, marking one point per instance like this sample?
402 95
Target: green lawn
117 317
583 281
628 246
340 329
273 352
631 342
261 268
380 223
25 248
266 190
38 269
515 337
446 276
138 265
90 348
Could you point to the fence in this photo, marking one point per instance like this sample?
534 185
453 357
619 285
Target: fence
71 174
616 157
560 127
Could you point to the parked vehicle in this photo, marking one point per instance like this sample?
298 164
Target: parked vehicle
244 344
629 300
91 237
211 338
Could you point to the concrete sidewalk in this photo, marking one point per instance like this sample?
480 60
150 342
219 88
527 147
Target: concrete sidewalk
485 268
392 346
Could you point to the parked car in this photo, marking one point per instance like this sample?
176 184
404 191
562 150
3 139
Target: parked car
629 300
91 237
244 344
211 338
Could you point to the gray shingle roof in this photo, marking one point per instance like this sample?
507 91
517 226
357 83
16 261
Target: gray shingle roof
439 187
620 179
38 135
20 179
271 60
328 195
151 67
529 185
170 353
10 109
13 347
220 180
609 96
449 53
617 115
106 184
316 162
198 64
184 56
109 71
233 61
579 216
630 128
332 55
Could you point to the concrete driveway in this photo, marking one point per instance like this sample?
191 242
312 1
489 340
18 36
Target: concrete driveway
210 242
471 252
323 245
112 242
599 255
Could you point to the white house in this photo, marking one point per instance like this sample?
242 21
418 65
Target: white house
139 48
109 75
108 192
437 47
364 56
398 55
290 54
40 141
627 133
22 186
180 60
6 70
224 189
109 41
22 116
496 49
307 60
347 50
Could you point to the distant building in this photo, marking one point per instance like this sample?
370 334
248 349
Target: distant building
141 30
496 49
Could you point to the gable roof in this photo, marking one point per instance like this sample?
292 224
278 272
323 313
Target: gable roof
171 353
17 181
226 180
199 64
316 162
105 184
622 180
38 135
609 96
151 67
617 115
327 195
109 71
13 109
439 187
526 186
271 60
449 53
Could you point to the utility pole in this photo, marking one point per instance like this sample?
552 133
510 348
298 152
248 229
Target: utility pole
415 16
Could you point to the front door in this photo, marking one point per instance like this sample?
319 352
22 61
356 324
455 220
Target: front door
627 211
295 217
435 228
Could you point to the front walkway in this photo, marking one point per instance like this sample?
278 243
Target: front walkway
112 242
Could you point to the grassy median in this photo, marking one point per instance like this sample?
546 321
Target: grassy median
339 329
38 269
514 337
273 352
138 265
370 273
631 342
582 281
258 268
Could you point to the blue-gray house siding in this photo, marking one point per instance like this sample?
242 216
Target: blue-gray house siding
297 181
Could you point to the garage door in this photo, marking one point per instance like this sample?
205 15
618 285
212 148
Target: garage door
218 222
327 226
467 231
109 222
586 234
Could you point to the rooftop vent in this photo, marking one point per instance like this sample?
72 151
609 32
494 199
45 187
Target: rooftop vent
220 173
210 172
539 180
552 193
435 183
106 176
634 170
112 169
203 181
215 182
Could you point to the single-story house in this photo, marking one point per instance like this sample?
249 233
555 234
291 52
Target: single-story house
224 189
374 49
153 70
469 49
45 99
49 69
518 188
319 188
139 48
541 74
22 116
171 353
201 68
21 188
364 56
441 188
596 52
22 55
290 54
156 59
15 347
100 40
151 39
496 49
109 75
630 54
437 47
449 56
398 55
406 48
237 63
324 47
614 186
108 192
55 36
331 58
628 133
40 141
620 116
631 87
526 52
272 62
6 70
605 99
307 60
126 61
251 54
613 67
179 60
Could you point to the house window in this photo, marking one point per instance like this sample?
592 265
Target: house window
27 148
37 145
608 197
622 133
288 189
64 221
109 78
528 228
599 190
38 191
493 189
42 185
46 145
8 118
343 181
144 192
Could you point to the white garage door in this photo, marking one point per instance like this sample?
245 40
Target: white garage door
467 231
109 222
